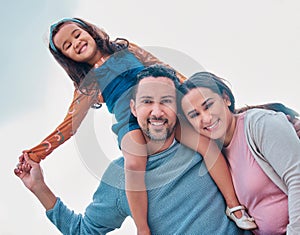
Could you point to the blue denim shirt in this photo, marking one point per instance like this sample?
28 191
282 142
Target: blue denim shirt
183 199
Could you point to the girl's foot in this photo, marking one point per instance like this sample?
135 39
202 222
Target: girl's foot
245 222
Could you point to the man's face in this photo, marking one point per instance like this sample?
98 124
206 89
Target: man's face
155 108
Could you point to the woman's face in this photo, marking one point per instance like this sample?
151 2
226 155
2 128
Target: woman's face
76 44
208 113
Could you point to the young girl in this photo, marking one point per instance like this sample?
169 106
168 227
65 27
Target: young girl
262 148
104 71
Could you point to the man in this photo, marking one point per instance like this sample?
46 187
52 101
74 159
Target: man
180 199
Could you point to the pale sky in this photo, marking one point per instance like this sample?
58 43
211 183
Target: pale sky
253 44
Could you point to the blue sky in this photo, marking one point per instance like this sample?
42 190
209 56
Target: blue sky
24 26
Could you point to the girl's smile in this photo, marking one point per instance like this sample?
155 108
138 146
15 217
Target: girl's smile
77 44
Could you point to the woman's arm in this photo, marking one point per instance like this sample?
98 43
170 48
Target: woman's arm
277 141
277 107
76 113
101 216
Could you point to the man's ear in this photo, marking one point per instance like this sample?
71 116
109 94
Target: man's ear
132 107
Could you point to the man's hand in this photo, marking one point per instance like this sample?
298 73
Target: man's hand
29 172
31 175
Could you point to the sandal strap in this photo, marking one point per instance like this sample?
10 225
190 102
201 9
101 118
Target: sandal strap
236 208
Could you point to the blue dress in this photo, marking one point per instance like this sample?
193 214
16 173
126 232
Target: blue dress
116 78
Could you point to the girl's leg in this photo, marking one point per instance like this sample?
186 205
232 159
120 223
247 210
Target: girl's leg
134 149
215 164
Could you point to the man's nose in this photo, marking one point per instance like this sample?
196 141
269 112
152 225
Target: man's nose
157 110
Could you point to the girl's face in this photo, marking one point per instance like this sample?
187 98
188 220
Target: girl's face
209 114
76 44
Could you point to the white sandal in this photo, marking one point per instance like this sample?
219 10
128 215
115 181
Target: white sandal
245 222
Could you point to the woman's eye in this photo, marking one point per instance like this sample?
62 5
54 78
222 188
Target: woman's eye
193 115
77 35
207 106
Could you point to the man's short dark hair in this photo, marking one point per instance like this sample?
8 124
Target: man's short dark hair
156 71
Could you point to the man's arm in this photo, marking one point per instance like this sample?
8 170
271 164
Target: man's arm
103 215
31 175
277 142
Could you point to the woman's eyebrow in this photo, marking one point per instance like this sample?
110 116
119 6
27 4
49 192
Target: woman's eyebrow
191 112
203 104
206 101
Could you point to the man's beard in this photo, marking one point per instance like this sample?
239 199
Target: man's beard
159 136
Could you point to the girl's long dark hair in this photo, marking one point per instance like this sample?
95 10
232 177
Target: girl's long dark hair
77 71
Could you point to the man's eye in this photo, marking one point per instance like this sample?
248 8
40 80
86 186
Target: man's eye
167 101
146 101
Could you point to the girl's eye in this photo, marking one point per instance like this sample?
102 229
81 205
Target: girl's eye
67 46
77 35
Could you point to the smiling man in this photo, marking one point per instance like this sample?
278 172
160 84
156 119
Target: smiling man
180 200
154 106
155 113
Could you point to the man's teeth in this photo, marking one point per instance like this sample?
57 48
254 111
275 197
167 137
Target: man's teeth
155 123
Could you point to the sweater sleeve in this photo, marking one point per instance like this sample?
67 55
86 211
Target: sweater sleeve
277 141
76 113
148 59
102 215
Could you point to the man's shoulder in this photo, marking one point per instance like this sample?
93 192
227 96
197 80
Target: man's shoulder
176 149
114 173
118 161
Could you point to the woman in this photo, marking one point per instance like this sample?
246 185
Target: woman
262 149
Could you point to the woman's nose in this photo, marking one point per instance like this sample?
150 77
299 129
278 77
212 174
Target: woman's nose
206 117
